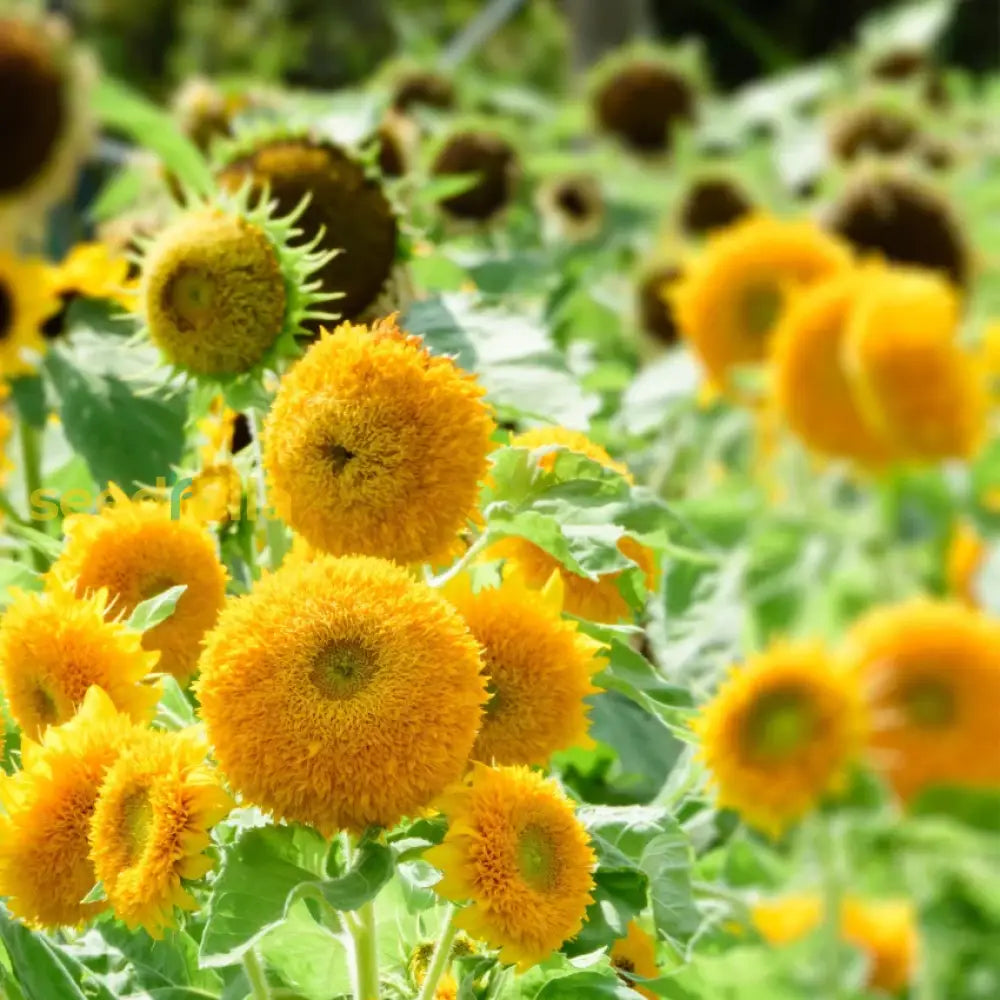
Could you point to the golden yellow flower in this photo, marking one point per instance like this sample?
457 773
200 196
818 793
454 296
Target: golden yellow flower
420 958
786 919
931 670
341 693
45 867
26 302
375 446
136 550
486 154
965 558
95 272
150 827
730 298
598 600
516 850
635 955
780 733
910 377
54 646
215 494
538 667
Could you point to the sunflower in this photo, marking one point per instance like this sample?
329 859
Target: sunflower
204 112
375 446
150 827
538 667
966 556
420 958
653 302
418 87
26 302
45 867
909 375
494 161
91 271
872 128
730 298
136 550
713 201
635 955
780 733
341 693
396 140
812 390
348 215
54 646
598 600
571 207
931 671
516 850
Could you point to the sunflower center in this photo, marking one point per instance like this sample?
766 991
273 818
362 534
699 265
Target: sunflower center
929 704
136 819
192 295
624 964
761 308
536 857
6 311
779 724
572 203
342 669
44 707
338 456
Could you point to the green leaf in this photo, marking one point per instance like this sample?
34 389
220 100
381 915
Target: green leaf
96 895
160 966
587 986
174 711
18 575
371 867
157 609
28 393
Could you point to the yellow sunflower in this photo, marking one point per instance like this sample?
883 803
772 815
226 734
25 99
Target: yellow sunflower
54 646
635 955
598 600
780 733
966 555
341 693
136 550
94 271
812 390
26 302
730 297
538 667
375 446
931 670
45 867
910 377
150 827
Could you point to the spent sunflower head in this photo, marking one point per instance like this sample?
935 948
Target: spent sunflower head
135 550
55 645
654 305
872 128
375 446
415 86
492 158
151 825
713 200
341 693
635 955
571 207
931 674
45 866
517 852
780 733
539 669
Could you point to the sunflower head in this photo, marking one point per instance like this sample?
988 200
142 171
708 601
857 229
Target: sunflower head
416 87
780 733
203 112
901 62
654 303
571 207
516 850
872 129
320 700
27 302
493 160
713 201
396 138
635 955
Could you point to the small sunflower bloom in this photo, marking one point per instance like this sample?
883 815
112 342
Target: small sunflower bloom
27 302
95 271
781 733
966 556
635 955
517 852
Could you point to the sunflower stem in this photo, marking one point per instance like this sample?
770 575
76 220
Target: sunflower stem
272 528
259 989
832 902
470 553
366 986
31 461
441 956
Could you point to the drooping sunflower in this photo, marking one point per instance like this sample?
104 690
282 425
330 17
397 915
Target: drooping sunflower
341 693
780 733
713 201
635 955
136 550
347 216
375 446
539 670
26 302
516 850
415 86
599 600
488 155
571 207
965 558
151 825
911 378
731 297
45 867
54 646
931 673
872 127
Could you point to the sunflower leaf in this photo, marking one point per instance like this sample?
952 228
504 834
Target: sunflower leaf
157 609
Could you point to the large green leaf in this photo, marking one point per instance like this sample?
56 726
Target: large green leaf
587 986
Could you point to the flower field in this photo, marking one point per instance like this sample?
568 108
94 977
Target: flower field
480 531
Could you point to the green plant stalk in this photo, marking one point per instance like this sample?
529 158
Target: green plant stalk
259 989
833 896
441 956
366 986
31 462
272 528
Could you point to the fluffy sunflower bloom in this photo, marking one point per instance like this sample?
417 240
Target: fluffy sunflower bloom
136 550
730 298
539 670
375 446
26 302
910 377
931 671
54 646
45 867
151 825
967 553
780 733
341 693
635 955
598 600
885 930
516 850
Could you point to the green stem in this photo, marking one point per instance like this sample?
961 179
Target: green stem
31 461
470 553
441 956
365 954
259 989
833 897
273 533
